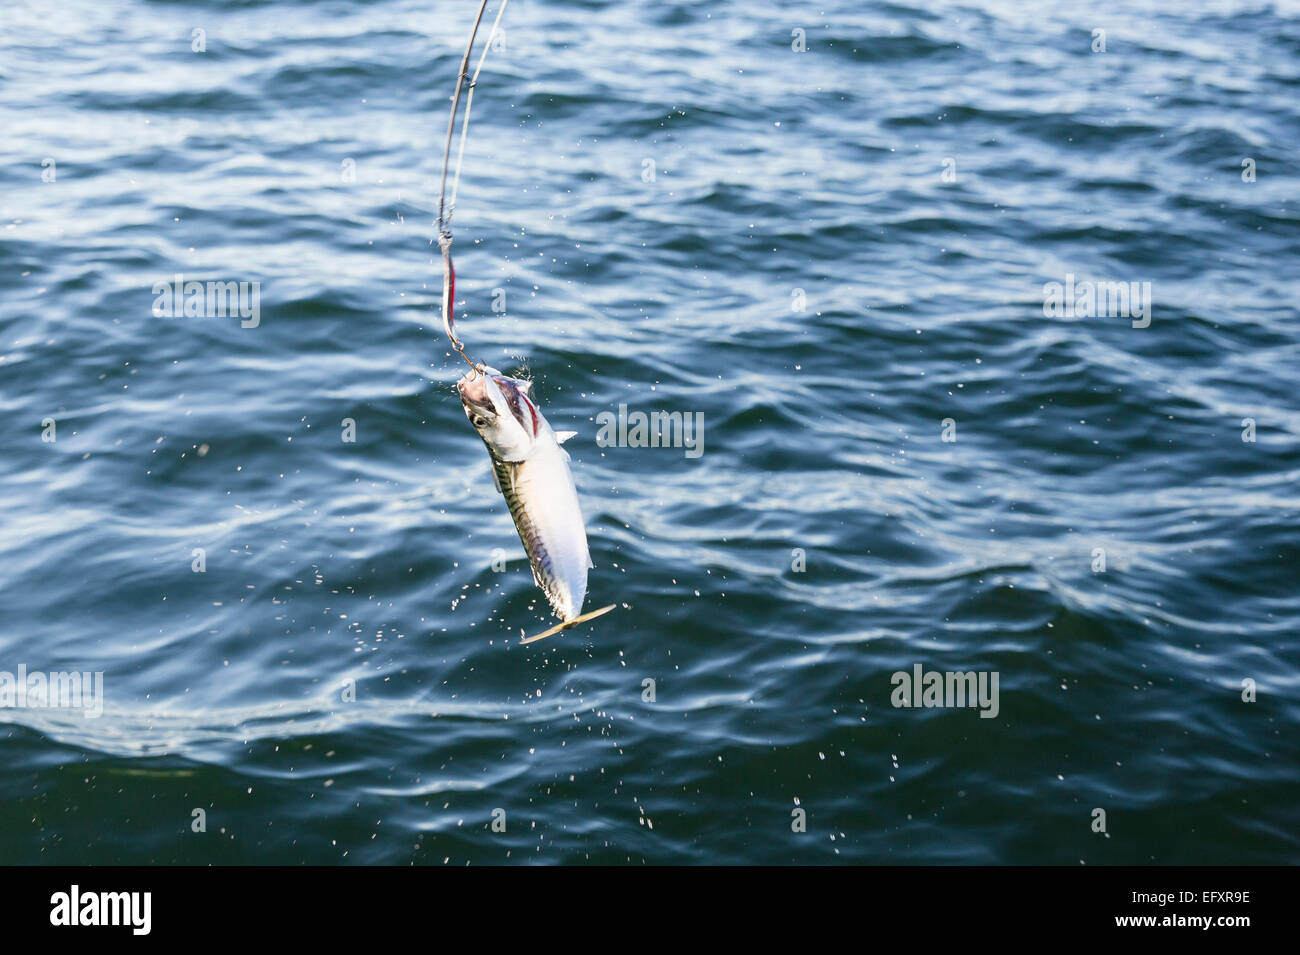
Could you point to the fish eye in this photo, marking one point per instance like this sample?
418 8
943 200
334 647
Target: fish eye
478 421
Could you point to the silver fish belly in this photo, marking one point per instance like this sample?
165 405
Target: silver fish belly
543 501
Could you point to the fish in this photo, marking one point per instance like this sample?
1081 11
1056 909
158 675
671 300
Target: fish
531 470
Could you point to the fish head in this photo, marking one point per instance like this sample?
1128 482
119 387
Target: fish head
501 412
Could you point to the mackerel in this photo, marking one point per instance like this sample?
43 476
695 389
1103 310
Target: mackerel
531 470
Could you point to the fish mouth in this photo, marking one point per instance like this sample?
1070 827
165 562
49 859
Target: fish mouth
474 394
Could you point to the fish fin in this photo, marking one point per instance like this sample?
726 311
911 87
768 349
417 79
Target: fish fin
562 436
567 624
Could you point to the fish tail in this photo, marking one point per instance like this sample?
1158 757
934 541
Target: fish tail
569 623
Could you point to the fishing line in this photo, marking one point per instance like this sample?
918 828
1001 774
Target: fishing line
455 104
469 103
444 220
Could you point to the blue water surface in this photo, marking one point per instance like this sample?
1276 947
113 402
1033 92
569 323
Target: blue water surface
829 233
